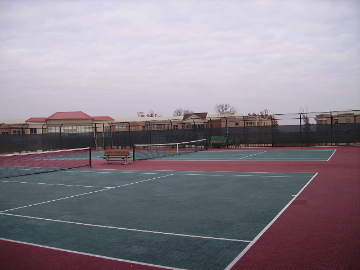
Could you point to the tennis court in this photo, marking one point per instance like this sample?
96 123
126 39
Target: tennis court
195 151
255 155
192 220
194 215
217 155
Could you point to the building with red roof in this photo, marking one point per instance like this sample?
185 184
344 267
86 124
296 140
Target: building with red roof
69 115
68 122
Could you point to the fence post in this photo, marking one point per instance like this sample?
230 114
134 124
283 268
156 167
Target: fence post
210 128
111 136
227 132
90 161
95 134
60 136
331 129
300 130
129 134
272 131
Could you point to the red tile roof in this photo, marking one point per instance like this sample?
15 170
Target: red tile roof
102 118
36 119
69 115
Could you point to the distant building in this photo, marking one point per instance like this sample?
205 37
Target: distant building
193 121
13 129
67 122
344 117
80 122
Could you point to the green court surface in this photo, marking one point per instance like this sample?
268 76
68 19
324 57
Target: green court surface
192 220
227 155
255 155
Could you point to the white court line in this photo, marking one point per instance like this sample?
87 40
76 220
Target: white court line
59 199
229 151
193 174
241 175
87 193
270 150
142 181
288 159
242 160
198 160
252 155
47 184
275 176
77 171
126 229
149 173
242 253
333 153
88 254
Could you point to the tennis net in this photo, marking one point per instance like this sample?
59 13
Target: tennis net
14 165
153 151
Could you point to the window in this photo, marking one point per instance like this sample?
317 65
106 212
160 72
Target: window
33 131
160 126
53 129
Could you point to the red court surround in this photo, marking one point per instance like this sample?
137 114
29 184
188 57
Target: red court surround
320 230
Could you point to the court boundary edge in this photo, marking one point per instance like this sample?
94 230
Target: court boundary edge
248 247
333 153
86 254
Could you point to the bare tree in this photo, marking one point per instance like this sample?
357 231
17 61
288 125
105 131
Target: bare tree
180 111
151 113
265 112
224 108
186 111
305 119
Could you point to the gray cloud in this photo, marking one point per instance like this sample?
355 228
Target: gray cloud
122 57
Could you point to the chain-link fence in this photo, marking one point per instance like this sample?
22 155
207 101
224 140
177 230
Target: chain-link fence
298 129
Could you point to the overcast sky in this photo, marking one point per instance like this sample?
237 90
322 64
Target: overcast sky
120 57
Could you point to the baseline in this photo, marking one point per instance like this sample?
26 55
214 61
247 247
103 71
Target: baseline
89 254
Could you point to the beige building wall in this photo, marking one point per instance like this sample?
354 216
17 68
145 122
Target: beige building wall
347 117
36 127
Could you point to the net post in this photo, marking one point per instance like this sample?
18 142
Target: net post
177 148
133 150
